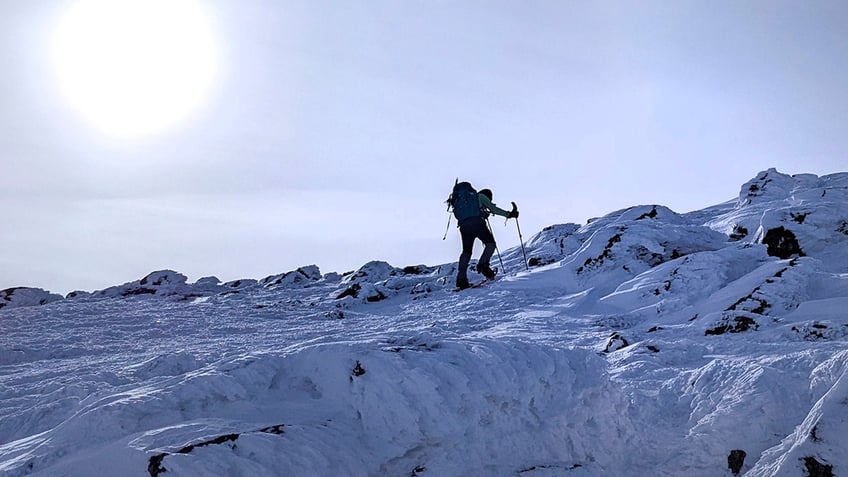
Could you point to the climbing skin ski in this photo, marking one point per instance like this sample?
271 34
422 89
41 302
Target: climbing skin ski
479 284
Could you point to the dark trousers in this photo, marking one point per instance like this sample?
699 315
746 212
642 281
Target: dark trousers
470 230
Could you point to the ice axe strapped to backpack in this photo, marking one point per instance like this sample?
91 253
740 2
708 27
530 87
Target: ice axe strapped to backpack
463 202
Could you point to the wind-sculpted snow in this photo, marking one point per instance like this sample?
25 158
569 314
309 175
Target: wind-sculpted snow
645 342
445 407
399 404
816 446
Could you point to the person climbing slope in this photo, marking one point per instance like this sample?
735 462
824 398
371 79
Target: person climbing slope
471 209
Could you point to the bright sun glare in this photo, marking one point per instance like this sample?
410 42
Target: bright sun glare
135 67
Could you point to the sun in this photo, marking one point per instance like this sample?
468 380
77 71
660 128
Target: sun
135 67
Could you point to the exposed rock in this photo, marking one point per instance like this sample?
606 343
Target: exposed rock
375 297
735 460
594 262
782 243
817 469
351 291
736 324
155 466
799 217
139 291
814 331
649 215
739 232
539 261
417 270
615 343
814 434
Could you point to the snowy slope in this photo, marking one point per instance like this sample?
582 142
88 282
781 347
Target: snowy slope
645 342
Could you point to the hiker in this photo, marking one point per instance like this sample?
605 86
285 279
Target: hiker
471 210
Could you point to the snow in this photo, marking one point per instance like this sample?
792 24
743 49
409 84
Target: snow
645 342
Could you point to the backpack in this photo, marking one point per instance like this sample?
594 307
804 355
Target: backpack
464 202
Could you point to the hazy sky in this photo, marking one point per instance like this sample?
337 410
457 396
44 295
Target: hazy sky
331 132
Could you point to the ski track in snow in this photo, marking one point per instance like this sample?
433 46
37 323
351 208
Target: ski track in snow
643 343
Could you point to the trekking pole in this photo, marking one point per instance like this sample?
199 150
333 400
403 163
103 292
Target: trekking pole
488 224
515 208
447 228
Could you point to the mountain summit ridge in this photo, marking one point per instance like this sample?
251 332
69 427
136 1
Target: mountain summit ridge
645 341
766 203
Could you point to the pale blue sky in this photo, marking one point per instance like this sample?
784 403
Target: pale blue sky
335 129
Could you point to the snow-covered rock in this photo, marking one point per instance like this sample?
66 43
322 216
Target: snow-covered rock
241 283
373 271
550 245
163 282
301 276
802 215
24 296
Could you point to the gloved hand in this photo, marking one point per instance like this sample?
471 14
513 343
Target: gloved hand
513 214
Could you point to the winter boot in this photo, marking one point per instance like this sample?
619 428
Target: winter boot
486 270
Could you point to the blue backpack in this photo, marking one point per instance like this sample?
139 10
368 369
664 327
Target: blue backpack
464 202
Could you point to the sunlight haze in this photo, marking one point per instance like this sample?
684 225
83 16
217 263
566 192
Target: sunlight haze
134 67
